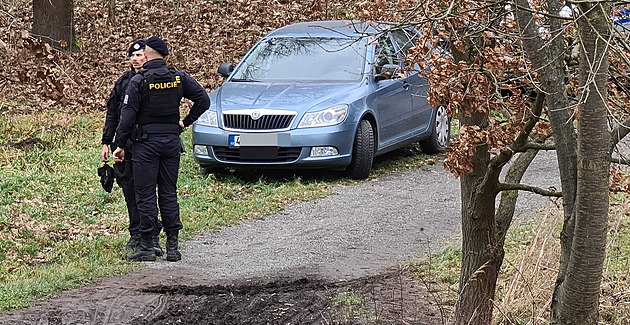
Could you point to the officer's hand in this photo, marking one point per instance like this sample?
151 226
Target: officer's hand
119 155
105 153
181 125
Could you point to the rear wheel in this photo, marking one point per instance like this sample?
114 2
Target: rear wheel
441 135
362 152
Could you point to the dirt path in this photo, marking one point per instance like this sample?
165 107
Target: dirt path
284 268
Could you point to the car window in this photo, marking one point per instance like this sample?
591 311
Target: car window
385 53
303 59
404 39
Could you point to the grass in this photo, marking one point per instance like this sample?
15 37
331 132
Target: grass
528 273
351 308
347 298
60 230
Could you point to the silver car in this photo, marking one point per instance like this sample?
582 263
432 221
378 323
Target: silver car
326 94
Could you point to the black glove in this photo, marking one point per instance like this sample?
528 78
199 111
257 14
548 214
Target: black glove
122 173
107 177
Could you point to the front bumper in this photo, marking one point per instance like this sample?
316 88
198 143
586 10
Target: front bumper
293 152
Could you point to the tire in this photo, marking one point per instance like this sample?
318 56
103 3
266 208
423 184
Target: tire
362 152
440 136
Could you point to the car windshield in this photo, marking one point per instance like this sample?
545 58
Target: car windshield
304 59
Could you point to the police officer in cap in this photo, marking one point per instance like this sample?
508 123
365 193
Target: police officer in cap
150 116
114 104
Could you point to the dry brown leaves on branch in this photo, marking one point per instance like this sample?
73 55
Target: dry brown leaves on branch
490 75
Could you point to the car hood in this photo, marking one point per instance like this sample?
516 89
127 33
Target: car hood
289 96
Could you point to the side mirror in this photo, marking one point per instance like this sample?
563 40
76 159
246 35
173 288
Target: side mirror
225 69
388 71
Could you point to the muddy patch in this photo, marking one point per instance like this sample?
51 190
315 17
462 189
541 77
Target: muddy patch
298 302
29 143
392 298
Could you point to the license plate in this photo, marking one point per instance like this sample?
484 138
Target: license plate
258 153
254 140
235 140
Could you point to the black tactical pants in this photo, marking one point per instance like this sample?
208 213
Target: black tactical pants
156 164
130 199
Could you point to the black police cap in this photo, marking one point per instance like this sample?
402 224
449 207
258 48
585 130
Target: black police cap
157 44
107 177
136 46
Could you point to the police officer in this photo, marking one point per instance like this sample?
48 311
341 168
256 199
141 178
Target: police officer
136 60
150 116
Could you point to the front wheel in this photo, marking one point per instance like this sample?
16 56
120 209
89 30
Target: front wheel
362 152
440 136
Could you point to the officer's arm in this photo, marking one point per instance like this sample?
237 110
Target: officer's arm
131 104
196 93
111 118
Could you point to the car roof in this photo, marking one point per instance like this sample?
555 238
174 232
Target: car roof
328 28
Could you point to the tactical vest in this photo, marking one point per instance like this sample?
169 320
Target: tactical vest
161 97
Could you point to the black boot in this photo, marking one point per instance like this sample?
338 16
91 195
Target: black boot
172 248
144 252
156 245
133 243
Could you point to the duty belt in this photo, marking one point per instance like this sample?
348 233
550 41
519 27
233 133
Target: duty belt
161 128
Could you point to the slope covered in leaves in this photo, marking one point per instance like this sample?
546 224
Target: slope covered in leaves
201 34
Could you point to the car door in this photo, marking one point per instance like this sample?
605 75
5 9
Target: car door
393 95
419 117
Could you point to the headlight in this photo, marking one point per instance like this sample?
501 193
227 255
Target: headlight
327 117
209 118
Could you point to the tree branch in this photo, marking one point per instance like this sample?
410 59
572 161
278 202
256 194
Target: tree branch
528 188
620 160
507 204
537 146
521 139
619 132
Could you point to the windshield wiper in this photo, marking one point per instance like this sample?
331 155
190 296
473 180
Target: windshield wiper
243 80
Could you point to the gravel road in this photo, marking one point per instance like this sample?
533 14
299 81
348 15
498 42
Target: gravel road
358 231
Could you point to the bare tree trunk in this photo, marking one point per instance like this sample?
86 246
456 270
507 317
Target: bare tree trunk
480 258
53 22
111 11
577 296
549 62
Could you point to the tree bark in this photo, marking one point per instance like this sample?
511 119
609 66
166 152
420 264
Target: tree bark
53 23
577 296
549 62
111 11
507 204
480 257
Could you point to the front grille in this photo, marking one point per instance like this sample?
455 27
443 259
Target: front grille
285 154
265 122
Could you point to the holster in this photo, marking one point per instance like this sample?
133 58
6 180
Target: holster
138 134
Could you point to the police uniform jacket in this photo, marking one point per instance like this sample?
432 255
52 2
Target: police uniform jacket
114 104
136 89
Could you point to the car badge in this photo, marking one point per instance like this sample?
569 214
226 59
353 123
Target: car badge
255 115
